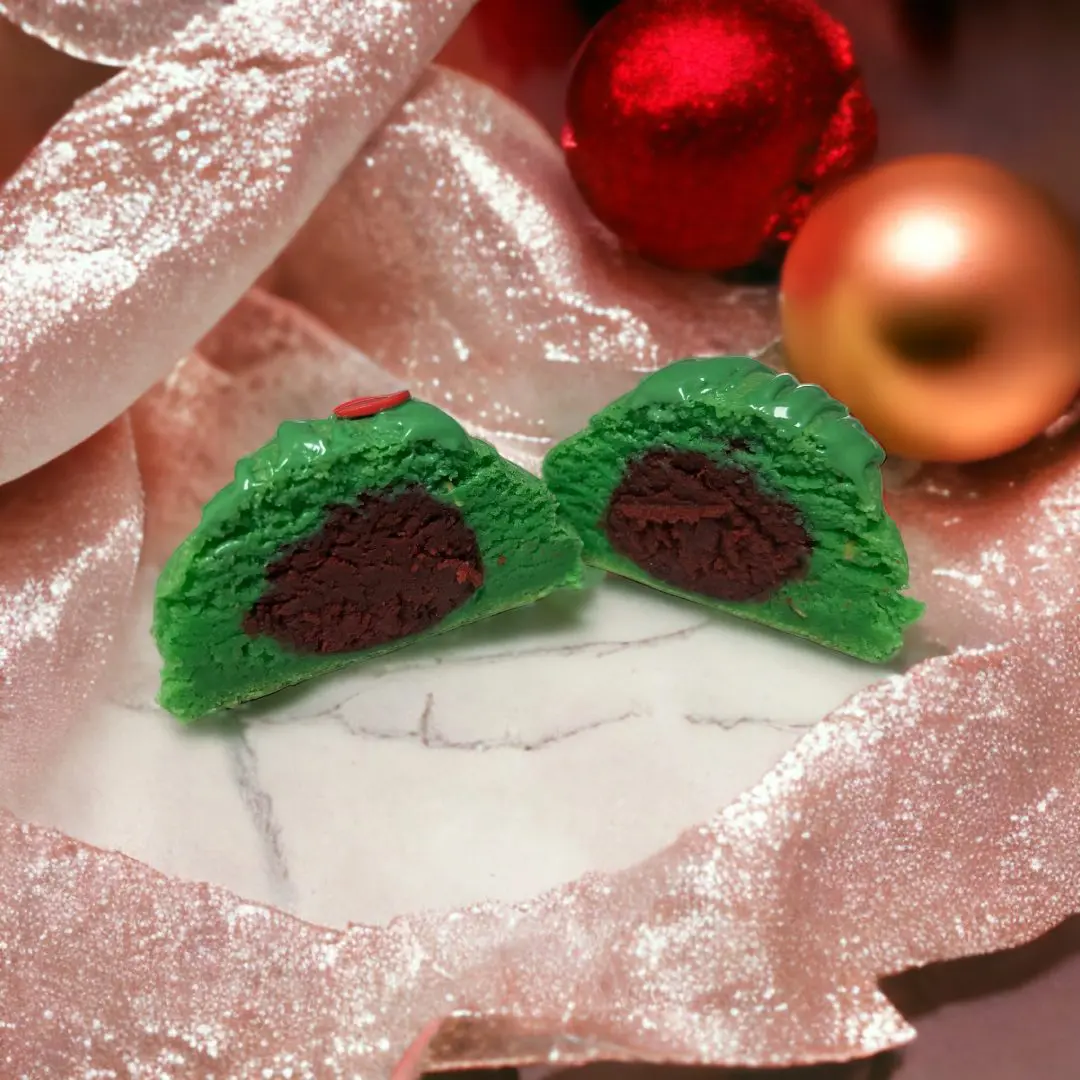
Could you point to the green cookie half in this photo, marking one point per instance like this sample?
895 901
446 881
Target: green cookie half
721 481
343 539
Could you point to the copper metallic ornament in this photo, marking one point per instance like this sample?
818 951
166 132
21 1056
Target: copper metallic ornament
939 298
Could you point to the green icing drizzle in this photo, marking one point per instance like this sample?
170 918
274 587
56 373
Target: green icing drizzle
300 443
845 444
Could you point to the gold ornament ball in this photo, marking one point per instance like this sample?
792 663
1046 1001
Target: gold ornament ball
938 297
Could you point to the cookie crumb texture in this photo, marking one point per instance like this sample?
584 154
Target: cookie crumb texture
719 480
341 540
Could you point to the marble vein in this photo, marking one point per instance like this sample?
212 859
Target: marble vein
396 665
730 723
427 733
599 649
259 804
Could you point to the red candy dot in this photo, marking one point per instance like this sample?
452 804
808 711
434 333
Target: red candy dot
369 406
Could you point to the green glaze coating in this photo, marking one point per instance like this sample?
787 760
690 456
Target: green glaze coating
844 442
303 444
279 496
802 446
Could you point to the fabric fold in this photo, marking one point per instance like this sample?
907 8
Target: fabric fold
153 205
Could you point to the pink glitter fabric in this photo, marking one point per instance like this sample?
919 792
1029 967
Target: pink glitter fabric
37 86
756 939
159 198
994 546
108 31
70 534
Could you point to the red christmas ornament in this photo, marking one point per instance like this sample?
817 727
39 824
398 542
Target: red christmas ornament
701 131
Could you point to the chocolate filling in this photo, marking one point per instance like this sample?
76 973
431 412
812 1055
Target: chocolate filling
705 527
392 565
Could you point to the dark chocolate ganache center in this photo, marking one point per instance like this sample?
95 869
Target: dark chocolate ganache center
705 527
393 564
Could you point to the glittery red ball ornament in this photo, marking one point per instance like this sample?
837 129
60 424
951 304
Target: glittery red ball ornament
701 131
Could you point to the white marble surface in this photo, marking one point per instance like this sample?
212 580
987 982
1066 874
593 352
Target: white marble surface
583 733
